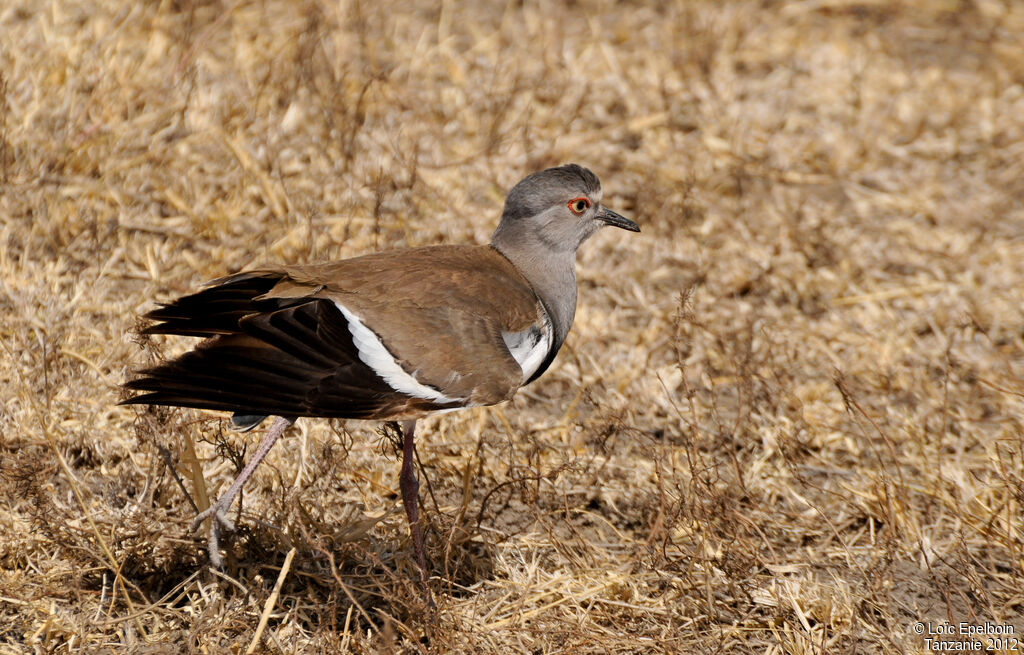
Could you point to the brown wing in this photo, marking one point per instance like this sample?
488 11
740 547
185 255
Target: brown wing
440 311
280 344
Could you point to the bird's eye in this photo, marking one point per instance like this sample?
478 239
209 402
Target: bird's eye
579 205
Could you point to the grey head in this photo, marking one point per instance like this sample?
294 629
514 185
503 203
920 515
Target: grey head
557 208
547 216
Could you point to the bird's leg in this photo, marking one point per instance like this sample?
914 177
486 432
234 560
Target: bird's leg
218 512
410 489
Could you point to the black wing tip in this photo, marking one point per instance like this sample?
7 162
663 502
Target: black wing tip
171 399
159 312
215 308
155 328
144 381
246 422
141 399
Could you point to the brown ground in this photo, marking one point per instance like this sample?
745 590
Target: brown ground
789 416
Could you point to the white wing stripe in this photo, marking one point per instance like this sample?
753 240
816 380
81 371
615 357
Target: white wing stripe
373 353
530 347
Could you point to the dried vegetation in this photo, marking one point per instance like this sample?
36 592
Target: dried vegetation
788 420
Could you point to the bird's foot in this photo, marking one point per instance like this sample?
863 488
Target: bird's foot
218 513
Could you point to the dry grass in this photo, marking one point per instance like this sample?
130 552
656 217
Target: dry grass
789 417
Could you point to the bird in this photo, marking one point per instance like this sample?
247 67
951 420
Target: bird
394 335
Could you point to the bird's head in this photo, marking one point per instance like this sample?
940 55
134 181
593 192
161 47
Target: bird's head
558 208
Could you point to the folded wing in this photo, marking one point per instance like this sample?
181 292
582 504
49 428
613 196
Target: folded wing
362 338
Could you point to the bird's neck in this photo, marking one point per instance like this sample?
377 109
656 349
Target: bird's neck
551 274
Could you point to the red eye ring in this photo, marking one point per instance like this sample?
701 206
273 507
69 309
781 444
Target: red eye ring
579 205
